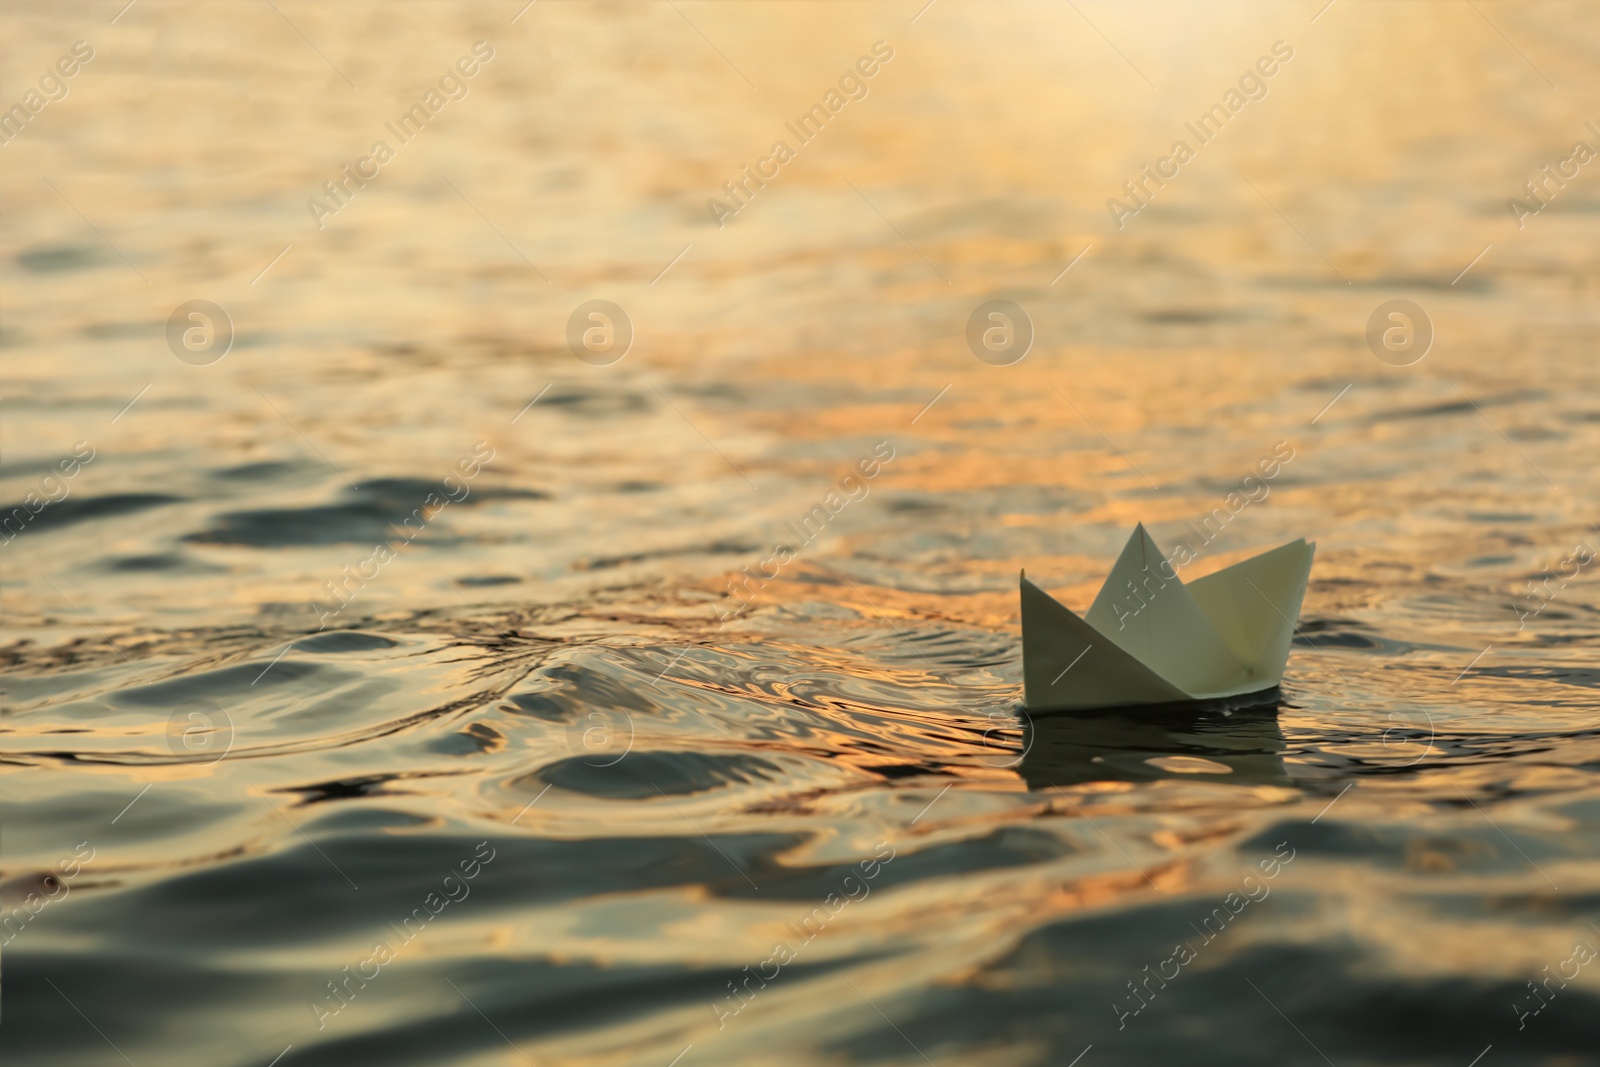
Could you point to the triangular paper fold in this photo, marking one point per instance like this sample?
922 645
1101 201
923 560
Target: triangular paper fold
1150 639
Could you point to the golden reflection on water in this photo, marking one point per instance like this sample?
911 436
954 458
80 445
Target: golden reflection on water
869 695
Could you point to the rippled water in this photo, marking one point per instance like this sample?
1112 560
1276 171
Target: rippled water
531 790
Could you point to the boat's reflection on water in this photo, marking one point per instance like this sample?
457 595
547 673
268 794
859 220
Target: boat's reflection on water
1215 742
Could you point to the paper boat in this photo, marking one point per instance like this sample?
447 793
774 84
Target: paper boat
1151 639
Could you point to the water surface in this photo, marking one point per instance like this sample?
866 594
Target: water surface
531 790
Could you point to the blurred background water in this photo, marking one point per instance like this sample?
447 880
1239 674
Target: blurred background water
592 819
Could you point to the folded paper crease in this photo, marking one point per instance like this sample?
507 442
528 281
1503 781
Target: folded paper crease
1149 638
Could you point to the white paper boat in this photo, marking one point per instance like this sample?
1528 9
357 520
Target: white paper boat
1151 639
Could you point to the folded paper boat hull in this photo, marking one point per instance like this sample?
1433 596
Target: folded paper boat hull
1151 639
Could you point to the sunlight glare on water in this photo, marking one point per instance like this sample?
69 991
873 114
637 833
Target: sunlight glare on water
395 687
